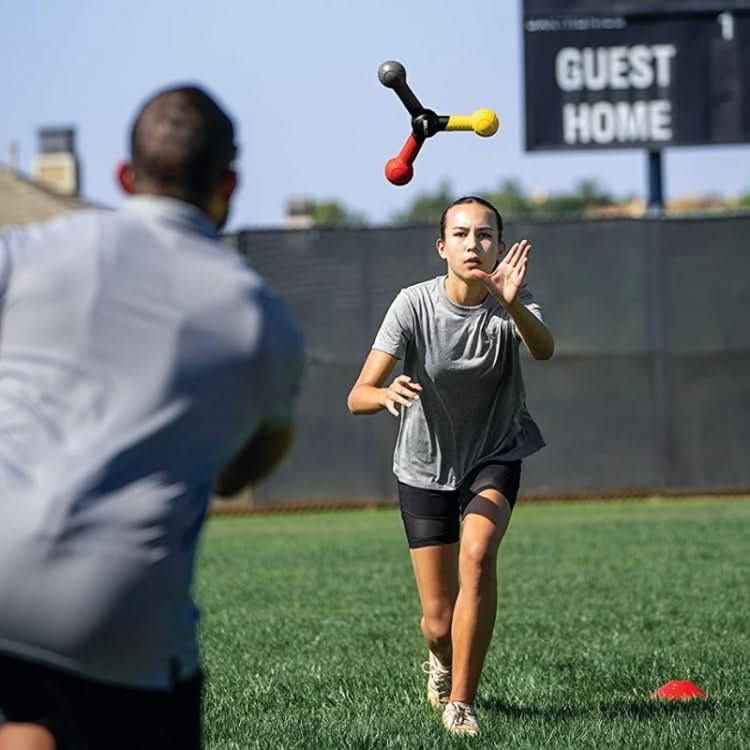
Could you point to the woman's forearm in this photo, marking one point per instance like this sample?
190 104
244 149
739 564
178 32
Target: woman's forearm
534 333
366 399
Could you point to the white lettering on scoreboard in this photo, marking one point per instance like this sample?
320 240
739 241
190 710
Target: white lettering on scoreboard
621 68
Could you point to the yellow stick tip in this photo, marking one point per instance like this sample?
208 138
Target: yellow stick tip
484 122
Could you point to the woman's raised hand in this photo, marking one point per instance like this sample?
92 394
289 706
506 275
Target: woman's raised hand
506 280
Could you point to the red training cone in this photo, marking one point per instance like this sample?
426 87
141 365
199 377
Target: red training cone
679 690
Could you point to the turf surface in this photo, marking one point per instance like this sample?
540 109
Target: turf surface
311 640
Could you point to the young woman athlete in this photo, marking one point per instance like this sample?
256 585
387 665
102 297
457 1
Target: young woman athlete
464 430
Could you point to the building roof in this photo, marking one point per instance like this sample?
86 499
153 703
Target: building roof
24 201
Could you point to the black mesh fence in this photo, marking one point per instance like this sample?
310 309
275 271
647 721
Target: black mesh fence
649 389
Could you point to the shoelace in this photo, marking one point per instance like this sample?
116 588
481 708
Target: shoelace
440 679
461 715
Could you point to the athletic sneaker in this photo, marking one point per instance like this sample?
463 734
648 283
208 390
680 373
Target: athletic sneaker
438 682
460 718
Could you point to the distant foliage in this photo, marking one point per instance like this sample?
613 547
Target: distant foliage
512 202
427 208
586 196
334 214
585 199
744 200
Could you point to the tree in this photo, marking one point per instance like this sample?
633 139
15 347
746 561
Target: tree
587 195
331 213
744 200
427 208
510 200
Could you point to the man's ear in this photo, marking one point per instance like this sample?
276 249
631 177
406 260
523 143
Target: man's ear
218 204
125 177
228 185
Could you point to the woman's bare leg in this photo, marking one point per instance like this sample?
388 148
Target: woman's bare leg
436 573
16 736
476 604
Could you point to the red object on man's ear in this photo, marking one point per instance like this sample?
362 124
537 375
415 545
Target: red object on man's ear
125 177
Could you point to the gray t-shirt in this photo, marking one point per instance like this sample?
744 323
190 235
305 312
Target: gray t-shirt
137 354
472 407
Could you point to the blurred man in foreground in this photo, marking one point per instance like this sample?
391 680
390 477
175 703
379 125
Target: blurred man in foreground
143 366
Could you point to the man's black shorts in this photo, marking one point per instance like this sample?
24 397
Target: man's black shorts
434 516
86 715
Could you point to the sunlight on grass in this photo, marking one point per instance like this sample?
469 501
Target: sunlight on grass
311 638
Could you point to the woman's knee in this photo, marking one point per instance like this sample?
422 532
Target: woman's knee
477 562
437 621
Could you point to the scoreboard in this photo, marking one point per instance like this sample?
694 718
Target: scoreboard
636 73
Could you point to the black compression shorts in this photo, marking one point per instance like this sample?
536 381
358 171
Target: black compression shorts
85 715
434 516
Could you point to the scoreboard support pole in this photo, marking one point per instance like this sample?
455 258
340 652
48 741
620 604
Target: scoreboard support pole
655 182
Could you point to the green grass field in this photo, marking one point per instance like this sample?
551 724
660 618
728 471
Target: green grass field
311 639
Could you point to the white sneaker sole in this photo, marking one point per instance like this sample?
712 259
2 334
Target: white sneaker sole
434 700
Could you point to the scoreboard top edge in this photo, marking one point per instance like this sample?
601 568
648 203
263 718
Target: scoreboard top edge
562 8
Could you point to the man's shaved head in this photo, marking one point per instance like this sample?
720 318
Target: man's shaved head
182 145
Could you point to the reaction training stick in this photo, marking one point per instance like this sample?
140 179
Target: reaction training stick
425 123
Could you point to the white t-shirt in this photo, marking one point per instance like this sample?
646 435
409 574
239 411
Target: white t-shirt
472 407
137 354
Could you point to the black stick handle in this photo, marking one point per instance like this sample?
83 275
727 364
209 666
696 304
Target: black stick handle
392 75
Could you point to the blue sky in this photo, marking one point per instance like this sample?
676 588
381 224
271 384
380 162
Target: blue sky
300 80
